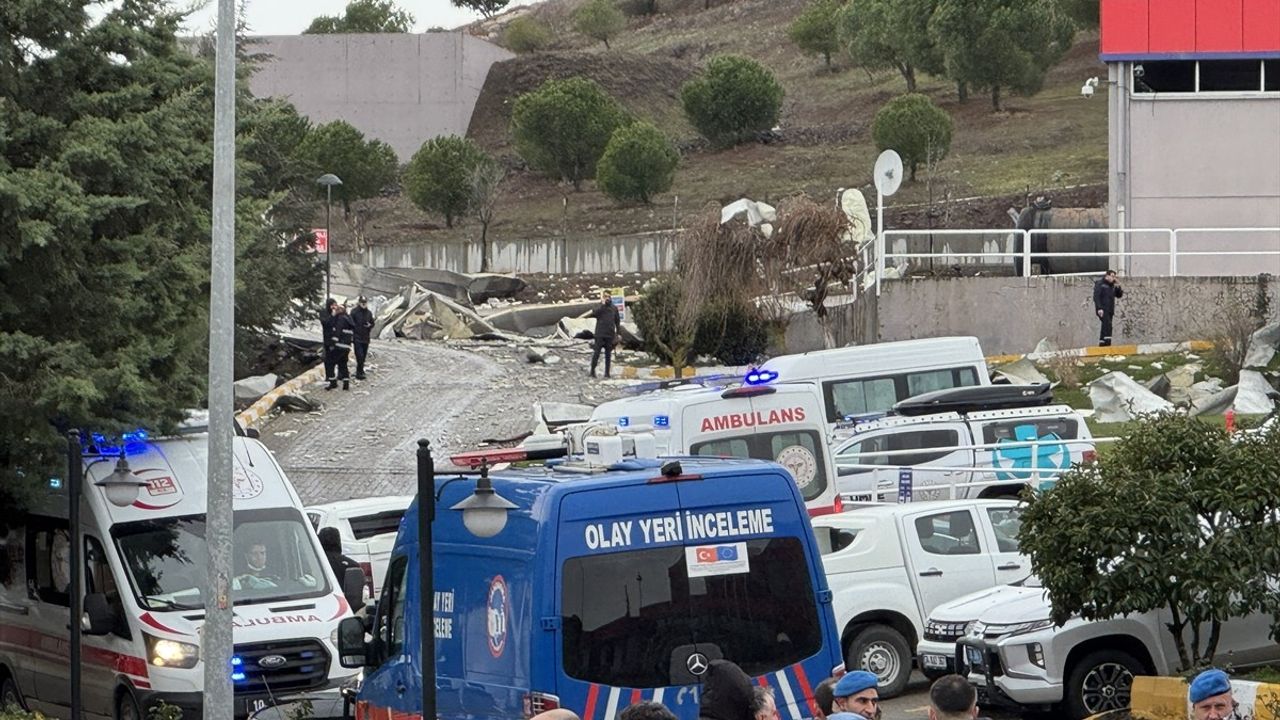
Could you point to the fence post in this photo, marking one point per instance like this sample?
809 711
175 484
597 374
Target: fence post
1173 253
1026 253
880 246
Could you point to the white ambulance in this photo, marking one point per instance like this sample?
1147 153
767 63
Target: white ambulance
144 573
869 379
782 423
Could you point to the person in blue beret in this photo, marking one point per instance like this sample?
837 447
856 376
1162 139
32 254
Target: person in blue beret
1210 696
857 697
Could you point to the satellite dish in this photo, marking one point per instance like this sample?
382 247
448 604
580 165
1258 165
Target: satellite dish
888 173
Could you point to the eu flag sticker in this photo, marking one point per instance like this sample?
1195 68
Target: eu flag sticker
725 559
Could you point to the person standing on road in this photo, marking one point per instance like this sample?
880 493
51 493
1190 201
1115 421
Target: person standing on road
952 698
726 693
343 334
857 695
822 695
326 332
608 321
1105 293
362 318
1211 698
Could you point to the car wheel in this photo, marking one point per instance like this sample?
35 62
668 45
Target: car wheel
127 707
883 651
9 695
1099 682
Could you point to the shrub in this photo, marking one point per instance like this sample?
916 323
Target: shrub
662 322
637 8
638 163
814 30
562 128
915 127
438 178
735 334
526 34
734 99
599 20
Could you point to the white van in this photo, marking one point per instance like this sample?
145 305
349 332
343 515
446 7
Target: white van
368 527
782 423
144 574
868 379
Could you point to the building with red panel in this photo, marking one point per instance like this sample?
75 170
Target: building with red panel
1195 128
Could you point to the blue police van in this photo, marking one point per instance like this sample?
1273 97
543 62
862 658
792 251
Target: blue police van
605 588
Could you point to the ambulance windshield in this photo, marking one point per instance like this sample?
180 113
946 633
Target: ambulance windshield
273 559
631 619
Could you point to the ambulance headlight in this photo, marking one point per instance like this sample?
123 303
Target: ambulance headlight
171 653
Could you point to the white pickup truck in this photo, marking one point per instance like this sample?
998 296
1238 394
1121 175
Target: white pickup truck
889 566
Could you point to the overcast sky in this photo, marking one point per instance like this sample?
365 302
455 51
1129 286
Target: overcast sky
290 17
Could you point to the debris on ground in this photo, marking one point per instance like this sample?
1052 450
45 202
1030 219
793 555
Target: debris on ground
248 390
1262 346
1021 372
1116 397
297 403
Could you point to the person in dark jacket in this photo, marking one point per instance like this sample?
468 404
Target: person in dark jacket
1105 293
331 542
343 336
727 693
608 320
952 698
362 318
326 331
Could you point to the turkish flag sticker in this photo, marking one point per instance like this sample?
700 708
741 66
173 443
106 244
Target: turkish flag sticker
706 554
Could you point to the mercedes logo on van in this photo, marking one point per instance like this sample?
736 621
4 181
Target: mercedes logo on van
697 663
272 661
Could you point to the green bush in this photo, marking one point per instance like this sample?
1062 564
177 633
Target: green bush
438 178
599 20
735 334
734 99
13 712
814 30
562 128
915 127
638 163
526 34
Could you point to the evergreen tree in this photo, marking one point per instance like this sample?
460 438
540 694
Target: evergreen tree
814 30
890 34
438 178
998 44
638 163
563 127
105 189
915 127
599 20
487 8
364 16
734 99
364 166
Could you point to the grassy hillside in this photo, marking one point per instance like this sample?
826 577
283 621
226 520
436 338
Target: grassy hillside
1052 140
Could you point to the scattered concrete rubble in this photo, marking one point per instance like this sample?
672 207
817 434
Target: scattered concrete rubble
1262 346
250 389
1116 397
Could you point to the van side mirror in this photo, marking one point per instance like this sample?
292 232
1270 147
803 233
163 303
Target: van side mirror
352 649
353 586
99 618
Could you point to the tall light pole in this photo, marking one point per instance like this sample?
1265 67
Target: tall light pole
328 180
75 475
216 645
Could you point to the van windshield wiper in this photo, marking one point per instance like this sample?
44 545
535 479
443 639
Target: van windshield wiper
170 604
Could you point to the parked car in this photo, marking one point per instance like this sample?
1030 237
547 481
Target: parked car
936 653
368 527
1017 658
977 448
889 566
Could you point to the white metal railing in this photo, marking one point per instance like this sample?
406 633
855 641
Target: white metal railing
1172 251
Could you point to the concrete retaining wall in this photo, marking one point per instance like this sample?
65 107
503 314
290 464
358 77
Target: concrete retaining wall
649 252
1011 314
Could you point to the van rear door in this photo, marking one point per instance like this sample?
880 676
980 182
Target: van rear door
657 580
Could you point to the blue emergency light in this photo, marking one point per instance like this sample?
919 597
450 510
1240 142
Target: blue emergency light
623 422
55 483
661 421
130 443
760 377
237 669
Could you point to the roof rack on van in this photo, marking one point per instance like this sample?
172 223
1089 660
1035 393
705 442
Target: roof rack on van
976 399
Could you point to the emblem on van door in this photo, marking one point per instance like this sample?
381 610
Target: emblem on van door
697 663
271 661
496 616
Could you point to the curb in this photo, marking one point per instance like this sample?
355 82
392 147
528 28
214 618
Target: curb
255 413
1166 697
1111 351
631 372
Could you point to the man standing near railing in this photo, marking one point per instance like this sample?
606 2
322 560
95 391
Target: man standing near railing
1105 293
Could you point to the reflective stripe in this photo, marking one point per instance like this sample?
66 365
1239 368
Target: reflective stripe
590 712
611 708
806 689
657 694
787 695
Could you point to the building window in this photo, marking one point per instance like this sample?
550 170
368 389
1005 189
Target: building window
1173 76
1230 75
1206 76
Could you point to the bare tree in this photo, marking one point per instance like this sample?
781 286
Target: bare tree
486 191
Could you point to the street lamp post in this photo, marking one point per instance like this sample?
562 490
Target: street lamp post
328 180
484 514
